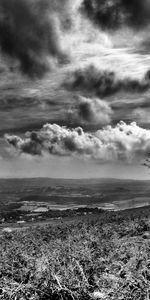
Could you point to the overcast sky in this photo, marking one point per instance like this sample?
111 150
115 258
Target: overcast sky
74 88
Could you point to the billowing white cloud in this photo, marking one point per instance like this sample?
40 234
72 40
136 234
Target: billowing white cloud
128 143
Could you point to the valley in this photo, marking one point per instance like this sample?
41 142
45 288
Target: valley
39 199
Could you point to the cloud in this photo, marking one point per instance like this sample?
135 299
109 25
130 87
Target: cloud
113 14
29 33
91 112
127 143
103 83
141 116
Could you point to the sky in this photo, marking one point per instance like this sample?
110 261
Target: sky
75 88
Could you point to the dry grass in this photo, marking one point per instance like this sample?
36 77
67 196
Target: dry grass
84 260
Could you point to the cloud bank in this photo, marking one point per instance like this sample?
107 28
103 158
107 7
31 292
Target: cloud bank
113 14
126 143
29 33
103 83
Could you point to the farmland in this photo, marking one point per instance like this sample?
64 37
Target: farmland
43 198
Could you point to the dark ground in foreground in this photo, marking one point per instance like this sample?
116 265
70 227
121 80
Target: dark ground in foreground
103 256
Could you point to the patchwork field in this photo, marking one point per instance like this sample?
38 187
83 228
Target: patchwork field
44 196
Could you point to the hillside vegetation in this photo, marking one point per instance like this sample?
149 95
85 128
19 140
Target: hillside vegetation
95 258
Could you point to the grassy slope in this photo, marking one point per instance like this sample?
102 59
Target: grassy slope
109 255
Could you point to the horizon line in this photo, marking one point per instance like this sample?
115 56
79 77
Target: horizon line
79 178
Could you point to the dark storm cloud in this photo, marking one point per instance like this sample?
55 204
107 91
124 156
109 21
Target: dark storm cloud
91 112
104 83
122 142
28 33
31 145
112 14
